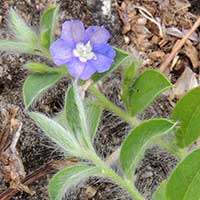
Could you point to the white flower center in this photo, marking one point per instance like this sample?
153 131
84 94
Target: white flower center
84 52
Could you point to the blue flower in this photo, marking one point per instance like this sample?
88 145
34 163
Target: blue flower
83 51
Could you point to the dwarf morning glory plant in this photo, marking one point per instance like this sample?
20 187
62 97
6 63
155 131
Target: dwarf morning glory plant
85 54
83 51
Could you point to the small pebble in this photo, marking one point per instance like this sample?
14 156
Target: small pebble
126 39
90 192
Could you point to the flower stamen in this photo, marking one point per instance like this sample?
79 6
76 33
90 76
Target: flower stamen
84 52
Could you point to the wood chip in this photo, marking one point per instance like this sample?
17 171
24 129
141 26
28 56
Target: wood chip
192 54
186 82
1 19
157 55
90 192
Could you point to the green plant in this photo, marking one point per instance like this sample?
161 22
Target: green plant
74 130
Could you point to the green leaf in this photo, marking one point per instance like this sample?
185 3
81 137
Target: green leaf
76 116
94 113
17 47
21 30
135 144
160 193
56 133
184 182
187 112
44 37
36 84
61 119
81 111
128 75
120 57
39 67
48 25
67 178
72 113
146 88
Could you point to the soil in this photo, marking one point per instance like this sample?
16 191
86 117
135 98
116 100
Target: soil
35 149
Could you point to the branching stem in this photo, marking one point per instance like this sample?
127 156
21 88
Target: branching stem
106 171
112 107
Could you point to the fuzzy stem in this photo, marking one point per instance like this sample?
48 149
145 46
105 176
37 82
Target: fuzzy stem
106 171
176 151
112 107
132 120
45 52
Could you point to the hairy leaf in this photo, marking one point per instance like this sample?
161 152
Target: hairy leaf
94 113
187 112
184 182
129 73
21 30
40 68
69 177
146 88
17 47
56 133
137 141
72 113
61 119
48 25
36 84
76 116
160 193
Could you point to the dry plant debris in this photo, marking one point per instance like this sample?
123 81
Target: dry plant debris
154 28
12 166
185 82
41 172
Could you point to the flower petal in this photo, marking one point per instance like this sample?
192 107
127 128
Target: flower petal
75 67
105 49
101 63
87 72
73 32
97 35
60 52
67 33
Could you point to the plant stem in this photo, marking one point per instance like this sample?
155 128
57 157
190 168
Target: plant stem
112 107
179 45
103 101
106 171
45 53
127 185
176 151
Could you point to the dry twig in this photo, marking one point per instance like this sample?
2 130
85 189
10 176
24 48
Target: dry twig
149 16
12 167
48 168
179 46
